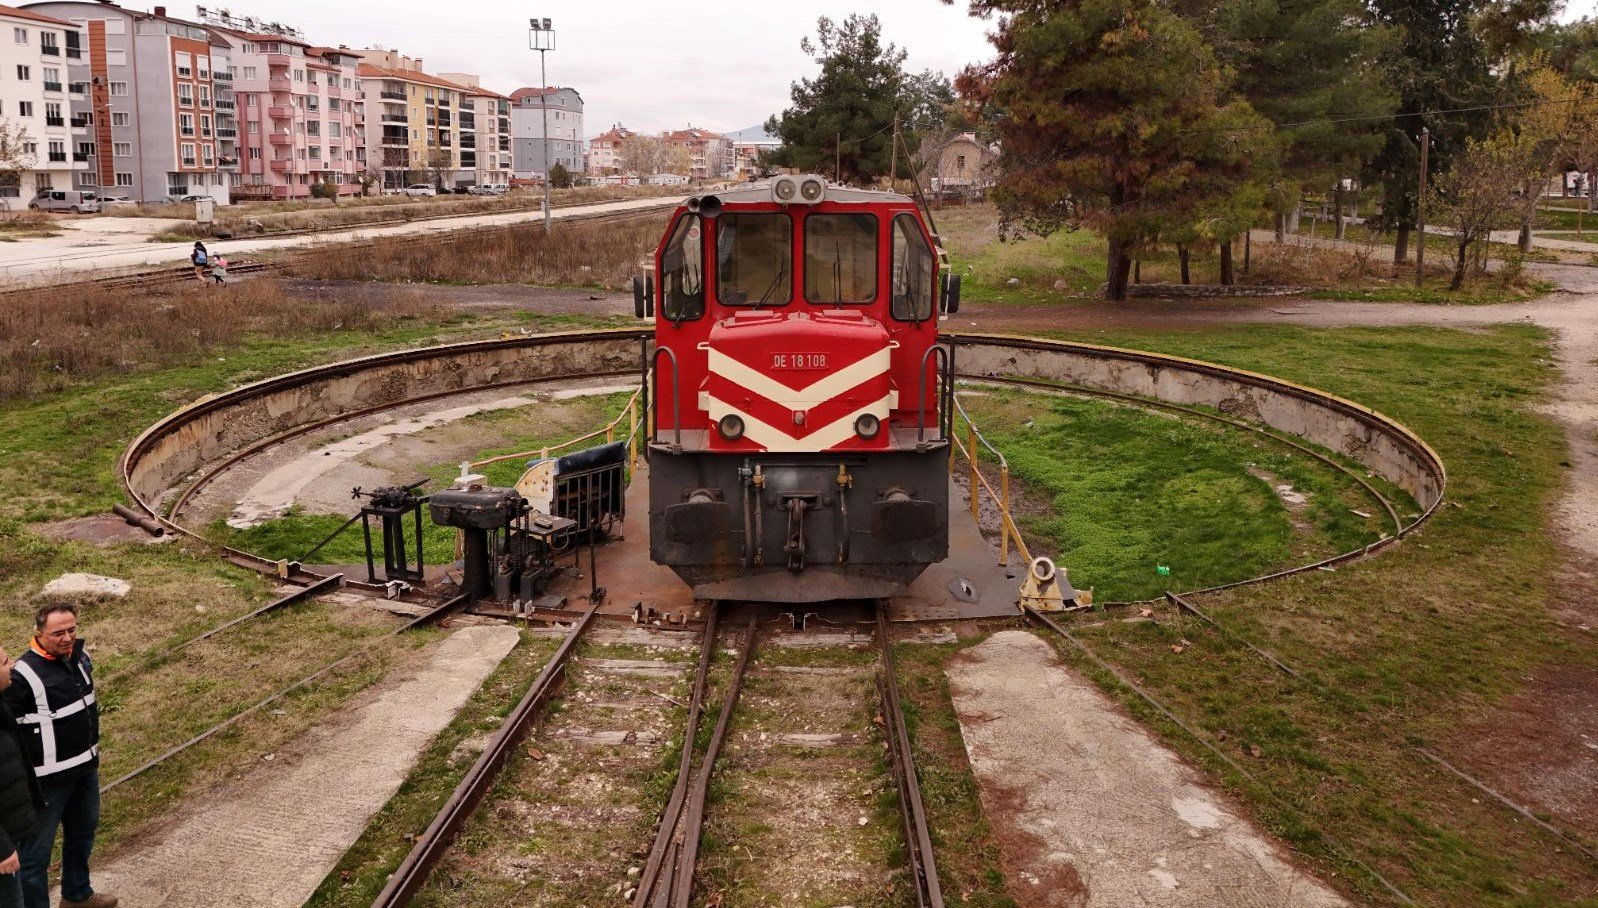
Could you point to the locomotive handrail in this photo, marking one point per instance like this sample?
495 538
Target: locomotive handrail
676 393
544 452
944 377
1007 526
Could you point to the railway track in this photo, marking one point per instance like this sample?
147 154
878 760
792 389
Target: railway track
556 822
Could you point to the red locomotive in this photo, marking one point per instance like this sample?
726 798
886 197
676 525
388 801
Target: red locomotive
800 450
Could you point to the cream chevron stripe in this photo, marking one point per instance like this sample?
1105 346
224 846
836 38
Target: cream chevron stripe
823 390
774 439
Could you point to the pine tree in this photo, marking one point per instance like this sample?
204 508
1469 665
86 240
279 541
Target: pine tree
841 122
1114 114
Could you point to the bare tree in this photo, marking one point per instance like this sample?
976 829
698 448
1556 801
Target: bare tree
1485 190
16 157
649 155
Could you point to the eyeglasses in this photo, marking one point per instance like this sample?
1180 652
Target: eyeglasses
61 634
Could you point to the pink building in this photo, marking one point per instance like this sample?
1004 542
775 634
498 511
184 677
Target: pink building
301 115
604 151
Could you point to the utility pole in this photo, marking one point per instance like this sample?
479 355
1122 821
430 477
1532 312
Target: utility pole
893 168
542 39
837 157
1420 209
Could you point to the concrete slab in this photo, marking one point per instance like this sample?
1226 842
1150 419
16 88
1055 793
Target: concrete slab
1090 810
270 838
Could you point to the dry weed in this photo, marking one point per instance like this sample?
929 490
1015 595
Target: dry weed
53 338
596 255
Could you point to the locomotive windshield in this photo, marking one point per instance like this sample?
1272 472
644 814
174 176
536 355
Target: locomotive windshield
754 259
840 258
682 271
912 272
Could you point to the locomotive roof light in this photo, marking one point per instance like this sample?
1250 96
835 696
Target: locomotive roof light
812 189
730 427
867 426
784 189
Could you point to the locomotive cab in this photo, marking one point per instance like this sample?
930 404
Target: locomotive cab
799 394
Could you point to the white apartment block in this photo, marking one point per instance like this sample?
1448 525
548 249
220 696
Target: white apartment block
565 113
36 94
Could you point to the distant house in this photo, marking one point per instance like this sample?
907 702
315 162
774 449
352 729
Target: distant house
747 145
957 165
605 151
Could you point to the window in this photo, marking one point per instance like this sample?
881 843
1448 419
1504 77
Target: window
299 75
21 34
203 64
85 178
754 259
255 154
52 114
185 94
119 89
208 155
121 119
205 96
187 150
840 258
254 127
185 124
122 149
249 100
58 151
959 162
115 56
335 130
24 108
316 153
41 181
682 271
249 72
313 127
124 179
86 148
912 272
52 78
183 61
48 43
23 73
205 125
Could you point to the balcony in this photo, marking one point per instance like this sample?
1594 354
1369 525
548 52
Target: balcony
74 53
276 60
467 122
280 83
391 95
469 141
222 76
504 144
80 156
50 50
58 157
53 86
81 122
55 121
282 165
77 88
226 105
278 112
279 138
223 132
395 118
395 141
468 159
227 162
443 102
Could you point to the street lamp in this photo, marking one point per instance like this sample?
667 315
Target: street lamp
541 37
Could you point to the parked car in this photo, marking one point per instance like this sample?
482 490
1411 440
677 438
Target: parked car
420 189
482 190
72 200
118 201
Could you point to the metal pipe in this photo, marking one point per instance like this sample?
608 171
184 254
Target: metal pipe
921 392
134 518
676 393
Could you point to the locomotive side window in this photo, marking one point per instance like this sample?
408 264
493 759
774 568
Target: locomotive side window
754 259
682 271
912 272
841 258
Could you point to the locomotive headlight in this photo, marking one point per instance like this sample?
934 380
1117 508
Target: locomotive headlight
785 189
730 427
867 426
812 188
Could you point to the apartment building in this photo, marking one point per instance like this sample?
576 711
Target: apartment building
605 151
147 121
417 120
302 114
485 131
709 153
35 95
748 145
527 108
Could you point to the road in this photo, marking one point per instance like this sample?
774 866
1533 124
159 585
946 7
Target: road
105 243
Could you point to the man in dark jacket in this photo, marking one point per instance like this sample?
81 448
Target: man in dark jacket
21 800
52 697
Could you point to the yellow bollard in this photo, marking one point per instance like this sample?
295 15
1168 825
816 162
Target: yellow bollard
976 480
1004 512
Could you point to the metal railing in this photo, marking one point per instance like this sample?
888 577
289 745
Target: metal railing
630 414
977 483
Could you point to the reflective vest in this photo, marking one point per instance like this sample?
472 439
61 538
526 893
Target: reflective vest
61 726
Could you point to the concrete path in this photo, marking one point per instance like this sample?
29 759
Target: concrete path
84 249
269 839
1091 810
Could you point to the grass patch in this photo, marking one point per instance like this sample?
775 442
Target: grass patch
1415 644
1131 491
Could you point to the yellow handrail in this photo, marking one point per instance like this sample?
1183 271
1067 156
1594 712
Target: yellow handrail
1008 531
629 413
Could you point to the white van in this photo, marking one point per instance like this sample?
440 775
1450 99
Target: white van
65 200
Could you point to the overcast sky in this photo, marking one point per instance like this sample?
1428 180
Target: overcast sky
648 64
